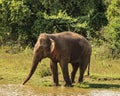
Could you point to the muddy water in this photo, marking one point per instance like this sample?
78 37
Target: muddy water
20 90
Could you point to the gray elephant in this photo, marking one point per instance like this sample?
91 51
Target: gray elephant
64 47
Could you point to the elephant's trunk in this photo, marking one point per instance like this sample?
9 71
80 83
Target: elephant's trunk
34 66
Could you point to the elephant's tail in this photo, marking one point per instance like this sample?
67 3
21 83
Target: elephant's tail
88 73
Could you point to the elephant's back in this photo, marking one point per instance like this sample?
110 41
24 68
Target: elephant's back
72 39
68 34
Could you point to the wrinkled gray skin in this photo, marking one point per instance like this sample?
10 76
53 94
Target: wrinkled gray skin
64 47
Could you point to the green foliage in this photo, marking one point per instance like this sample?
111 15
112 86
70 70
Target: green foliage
57 23
16 20
44 70
113 9
112 30
74 8
19 12
25 19
109 36
112 35
82 85
97 15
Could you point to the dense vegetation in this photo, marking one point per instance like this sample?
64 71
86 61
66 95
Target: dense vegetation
21 21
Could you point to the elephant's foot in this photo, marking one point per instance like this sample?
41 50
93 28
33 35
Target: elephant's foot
68 85
73 81
80 80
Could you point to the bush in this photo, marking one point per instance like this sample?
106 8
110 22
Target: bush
58 23
26 19
44 70
112 36
103 52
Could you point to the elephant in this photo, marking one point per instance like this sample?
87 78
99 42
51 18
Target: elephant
63 48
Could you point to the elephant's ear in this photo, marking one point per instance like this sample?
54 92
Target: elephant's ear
52 46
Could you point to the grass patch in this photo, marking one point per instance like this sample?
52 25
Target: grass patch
14 68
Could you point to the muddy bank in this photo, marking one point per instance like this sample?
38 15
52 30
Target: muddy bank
20 90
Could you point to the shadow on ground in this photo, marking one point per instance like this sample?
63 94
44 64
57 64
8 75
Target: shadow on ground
104 86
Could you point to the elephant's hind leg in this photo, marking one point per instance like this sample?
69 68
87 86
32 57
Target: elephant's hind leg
83 67
73 73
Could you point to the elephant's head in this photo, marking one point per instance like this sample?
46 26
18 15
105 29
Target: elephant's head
43 47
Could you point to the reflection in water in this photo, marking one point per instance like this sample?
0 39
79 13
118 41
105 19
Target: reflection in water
20 90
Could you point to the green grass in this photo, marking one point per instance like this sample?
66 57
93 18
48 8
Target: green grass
14 68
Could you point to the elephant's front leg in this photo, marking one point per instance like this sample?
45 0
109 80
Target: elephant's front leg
64 67
54 69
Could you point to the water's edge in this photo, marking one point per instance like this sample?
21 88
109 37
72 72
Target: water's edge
21 90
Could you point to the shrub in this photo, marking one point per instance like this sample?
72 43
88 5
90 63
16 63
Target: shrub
112 36
58 23
44 70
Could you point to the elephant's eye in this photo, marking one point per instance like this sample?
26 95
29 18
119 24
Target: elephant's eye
47 48
41 48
